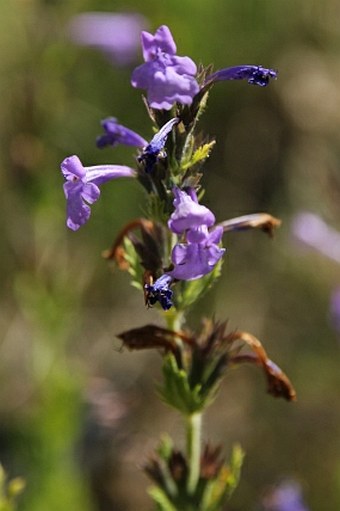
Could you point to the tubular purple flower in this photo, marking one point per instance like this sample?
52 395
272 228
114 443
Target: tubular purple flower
199 255
118 134
166 77
194 260
152 150
255 75
188 213
82 187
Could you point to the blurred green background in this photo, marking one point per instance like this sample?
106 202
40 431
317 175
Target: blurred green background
78 417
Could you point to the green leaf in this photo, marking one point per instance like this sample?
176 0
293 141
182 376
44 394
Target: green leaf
176 390
165 447
162 500
236 461
220 489
9 491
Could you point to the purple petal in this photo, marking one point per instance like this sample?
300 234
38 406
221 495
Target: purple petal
118 134
193 261
188 214
205 237
150 153
199 235
255 75
78 212
215 235
184 65
213 254
72 168
99 174
161 41
90 192
167 77
158 141
142 75
168 87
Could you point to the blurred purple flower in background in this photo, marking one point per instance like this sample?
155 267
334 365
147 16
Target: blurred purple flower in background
200 252
314 232
255 75
118 134
287 496
81 187
117 35
166 77
334 309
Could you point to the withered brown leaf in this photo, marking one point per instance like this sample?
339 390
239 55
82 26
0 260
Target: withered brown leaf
278 382
267 223
152 336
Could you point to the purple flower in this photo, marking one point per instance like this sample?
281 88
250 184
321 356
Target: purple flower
287 496
160 292
314 232
193 260
166 77
81 187
335 309
188 213
199 255
118 134
117 35
255 75
152 150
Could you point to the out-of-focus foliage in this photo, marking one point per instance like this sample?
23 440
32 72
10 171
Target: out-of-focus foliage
9 491
77 416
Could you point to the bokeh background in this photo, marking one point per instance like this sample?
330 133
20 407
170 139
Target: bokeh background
78 416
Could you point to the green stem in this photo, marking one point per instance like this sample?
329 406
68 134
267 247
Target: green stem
174 320
194 423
